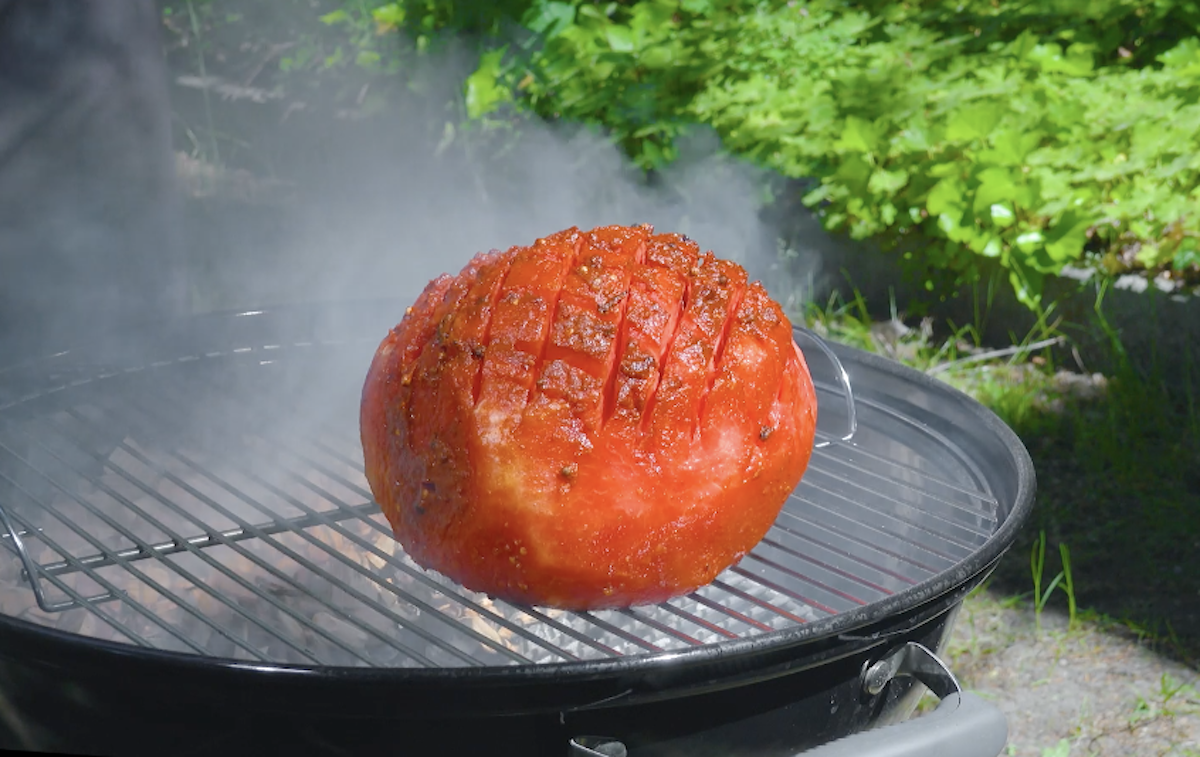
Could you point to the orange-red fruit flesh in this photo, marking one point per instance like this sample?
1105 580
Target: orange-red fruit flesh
600 419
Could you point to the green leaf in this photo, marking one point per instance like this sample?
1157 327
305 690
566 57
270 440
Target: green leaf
620 38
973 122
549 19
699 7
334 59
1050 58
1011 146
1187 254
1002 215
1066 238
390 16
1150 255
887 183
995 185
1030 241
1027 285
1023 45
1184 59
887 213
854 172
948 222
940 170
1061 749
483 91
336 17
946 195
815 196
657 57
858 135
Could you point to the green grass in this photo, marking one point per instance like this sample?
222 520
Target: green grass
1117 463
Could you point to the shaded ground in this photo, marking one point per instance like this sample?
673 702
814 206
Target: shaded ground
1118 477
1097 688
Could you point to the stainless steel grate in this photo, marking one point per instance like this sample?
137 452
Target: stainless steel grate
216 505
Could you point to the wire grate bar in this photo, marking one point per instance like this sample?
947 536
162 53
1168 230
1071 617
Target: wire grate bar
741 570
117 559
281 445
265 596
346 511
182 544
825 566
313 568
844 554
947 528
620 632
748 597
848 535
336 555
449 592
640 616
95 608
914 534
700 599
849 459
311 462
185 545
111 588
794 573
705 624
895 415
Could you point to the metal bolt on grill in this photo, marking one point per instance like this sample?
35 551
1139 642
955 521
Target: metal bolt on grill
191 505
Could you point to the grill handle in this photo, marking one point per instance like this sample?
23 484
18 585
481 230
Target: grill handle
843 378
963 725
28 565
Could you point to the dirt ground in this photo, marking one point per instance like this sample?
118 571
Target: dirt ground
1090 690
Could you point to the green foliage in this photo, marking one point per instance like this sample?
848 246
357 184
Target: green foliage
1061 749
1039 135
1022 152
1064 580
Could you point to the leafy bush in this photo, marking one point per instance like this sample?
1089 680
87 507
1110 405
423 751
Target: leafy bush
1042 135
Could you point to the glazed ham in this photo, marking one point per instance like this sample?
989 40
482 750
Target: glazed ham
600 419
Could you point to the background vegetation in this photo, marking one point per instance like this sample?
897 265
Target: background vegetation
1038 134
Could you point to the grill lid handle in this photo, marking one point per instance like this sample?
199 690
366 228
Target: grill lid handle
963 725
843 378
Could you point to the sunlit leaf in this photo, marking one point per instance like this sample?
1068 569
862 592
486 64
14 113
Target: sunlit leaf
388 17
336 17
549 19
946 194
858 135
1065 240
620 38
1002 215
1030 241
973 121
887 183
483 92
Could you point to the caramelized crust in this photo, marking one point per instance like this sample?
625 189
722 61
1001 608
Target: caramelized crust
600 419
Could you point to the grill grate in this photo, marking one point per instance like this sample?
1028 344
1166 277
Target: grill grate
191 506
